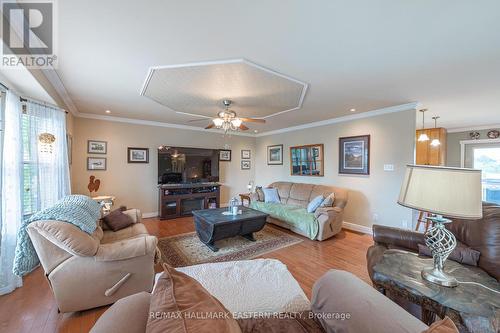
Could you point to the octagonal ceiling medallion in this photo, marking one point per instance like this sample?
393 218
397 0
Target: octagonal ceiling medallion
198 89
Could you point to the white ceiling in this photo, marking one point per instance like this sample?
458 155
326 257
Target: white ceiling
353 54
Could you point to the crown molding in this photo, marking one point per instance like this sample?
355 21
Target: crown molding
154 123
368 114
473 128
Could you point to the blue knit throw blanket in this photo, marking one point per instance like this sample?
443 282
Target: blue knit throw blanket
79 210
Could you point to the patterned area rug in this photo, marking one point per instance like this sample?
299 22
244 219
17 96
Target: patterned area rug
187 249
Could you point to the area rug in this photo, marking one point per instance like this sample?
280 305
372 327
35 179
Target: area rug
187 249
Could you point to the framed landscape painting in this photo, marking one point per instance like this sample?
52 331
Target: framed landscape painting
275 155
96 163
354 155
97 147
137 155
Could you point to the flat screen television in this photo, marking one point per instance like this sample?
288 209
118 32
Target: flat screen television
180 165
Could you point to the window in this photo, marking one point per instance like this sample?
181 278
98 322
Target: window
487 159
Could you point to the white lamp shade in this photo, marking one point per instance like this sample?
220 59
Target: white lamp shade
453 192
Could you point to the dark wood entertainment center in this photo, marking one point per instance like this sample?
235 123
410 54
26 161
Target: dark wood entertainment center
176 200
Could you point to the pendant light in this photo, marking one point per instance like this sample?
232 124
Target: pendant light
435 142
423 136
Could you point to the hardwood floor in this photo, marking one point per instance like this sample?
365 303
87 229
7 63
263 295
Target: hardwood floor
32 308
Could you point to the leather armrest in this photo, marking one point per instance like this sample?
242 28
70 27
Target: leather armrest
401 238
127 248
135 214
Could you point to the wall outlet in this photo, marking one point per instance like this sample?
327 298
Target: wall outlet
388 167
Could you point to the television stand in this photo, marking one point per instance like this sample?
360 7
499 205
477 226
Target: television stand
177 200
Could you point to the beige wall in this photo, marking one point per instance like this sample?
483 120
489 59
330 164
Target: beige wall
453 145
392 142
135 185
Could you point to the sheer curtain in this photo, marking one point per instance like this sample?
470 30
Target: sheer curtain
46 173
11 192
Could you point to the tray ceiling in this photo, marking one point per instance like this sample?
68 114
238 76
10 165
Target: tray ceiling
199 88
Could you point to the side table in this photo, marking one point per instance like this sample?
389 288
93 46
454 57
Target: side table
106 202
471 307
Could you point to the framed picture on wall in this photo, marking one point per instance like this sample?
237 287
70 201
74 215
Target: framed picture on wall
137 155
307 160
224 155
246 154
97 147
96 163
354 155
275 155
245 165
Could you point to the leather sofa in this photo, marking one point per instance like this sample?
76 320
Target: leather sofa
482 235
329 219
86 271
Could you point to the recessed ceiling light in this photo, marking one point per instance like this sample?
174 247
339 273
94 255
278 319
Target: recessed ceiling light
352 110
107 111
255 131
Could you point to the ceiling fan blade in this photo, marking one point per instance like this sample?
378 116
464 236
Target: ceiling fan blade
243 127
210 126
193 120
253 120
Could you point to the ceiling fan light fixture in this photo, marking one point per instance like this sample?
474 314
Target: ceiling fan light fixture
236 122
218 122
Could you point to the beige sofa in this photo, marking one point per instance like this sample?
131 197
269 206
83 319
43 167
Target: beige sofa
329 219
87 271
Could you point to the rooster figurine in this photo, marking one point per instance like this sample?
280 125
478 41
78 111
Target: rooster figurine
93 185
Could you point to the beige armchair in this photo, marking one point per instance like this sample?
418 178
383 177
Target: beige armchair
87 271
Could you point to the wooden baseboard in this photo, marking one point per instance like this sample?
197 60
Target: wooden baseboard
357 227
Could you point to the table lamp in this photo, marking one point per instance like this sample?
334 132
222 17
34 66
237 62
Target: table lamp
453 192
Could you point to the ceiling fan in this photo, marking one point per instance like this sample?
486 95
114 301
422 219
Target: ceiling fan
229 121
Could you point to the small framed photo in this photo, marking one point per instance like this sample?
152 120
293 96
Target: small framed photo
137 155
224 155
354 155
275 155
97 147
246 154
96 163
245 165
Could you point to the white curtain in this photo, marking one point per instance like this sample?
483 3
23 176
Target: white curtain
48 179
32 179
11 192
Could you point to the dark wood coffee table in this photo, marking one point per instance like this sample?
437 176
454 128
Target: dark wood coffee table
211 225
